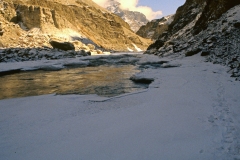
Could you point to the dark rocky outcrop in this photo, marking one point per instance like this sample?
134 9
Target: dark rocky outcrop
192 52
155 28
143 80
62 45
212 11
205 53
185 14
237 25
159 43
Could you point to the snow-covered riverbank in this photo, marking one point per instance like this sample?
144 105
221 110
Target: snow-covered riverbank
188 112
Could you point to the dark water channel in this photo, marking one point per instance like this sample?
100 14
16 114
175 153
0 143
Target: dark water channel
101 80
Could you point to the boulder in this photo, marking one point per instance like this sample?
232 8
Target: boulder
139 79
91 46
205 53
84 47
99 52
62 45
77 44
237 24
192 52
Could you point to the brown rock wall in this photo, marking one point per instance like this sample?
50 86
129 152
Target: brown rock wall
95 23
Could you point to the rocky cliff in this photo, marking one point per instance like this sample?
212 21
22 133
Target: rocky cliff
198 13
207 28
156 27
133 18
33 23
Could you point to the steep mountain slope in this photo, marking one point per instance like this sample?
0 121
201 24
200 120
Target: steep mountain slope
198 13
81 20
204 26
212 11
133 18
156 27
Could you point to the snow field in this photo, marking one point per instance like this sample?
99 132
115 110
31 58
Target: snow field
188 112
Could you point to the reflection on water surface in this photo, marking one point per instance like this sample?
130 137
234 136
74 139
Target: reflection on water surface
102 80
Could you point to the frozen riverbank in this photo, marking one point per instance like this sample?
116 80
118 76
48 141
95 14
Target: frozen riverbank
189 112
102 75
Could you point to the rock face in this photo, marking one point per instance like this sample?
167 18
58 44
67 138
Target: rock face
206 28
133 18
36 22
212 11
198 13
156 27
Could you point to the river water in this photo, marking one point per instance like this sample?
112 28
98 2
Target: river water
104 80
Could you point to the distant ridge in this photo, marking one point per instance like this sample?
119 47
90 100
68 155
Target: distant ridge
133 18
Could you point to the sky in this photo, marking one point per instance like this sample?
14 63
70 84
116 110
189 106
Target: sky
153 9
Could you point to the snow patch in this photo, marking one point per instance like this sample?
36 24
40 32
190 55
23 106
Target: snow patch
130 50
138 49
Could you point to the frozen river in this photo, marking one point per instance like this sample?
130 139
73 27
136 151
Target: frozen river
102 80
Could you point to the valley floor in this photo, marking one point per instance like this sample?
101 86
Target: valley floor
188 112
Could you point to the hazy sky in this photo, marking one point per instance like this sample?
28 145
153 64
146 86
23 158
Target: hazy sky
151 8
166 6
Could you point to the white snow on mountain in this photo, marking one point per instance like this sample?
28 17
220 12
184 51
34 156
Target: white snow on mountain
168 20
133 18
137 48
